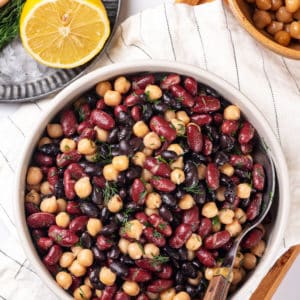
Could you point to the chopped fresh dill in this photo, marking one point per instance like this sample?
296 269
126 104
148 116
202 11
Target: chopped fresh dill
194 189
110 190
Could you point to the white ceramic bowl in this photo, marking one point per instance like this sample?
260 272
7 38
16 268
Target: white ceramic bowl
226 90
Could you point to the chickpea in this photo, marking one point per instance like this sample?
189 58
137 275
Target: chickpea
226 216
49 205
221 193
101 134
33 197
83 187
151 140
216 224
186 202
276 4
107 277
237 276
259 248
62 220
179 126
150 211
67 145
250 261
227 169
232 112
103 87
296 15
195 281
292 5
240 215
169 115
115 204
177 176
112 98
139 159
201 171
34 175
76 250
210 210
134 229
182 296
66 259
122 85
282 37
153 200
64 279
86 147
85 257
243 190
194 242
44 141
35 187
61 205
261 18
153 92
82 293
135 250
146 175
177 164
168 294
54 130
209 273
191 255
176 148
120 162
98 293
94 226
147 151
182 116
287 27
234 228
45 188
77 269
274 27
295 30
149 187
110 173
88 282
123 245
238 260
263 4
151 250
282 15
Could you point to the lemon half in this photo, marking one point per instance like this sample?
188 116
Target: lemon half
64 33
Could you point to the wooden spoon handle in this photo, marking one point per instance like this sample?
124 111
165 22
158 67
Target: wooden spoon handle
217 289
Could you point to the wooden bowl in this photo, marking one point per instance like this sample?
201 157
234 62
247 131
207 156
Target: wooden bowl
243 12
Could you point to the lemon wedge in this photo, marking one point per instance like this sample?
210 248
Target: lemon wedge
64 33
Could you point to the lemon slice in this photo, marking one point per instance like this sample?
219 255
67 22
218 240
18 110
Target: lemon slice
64 33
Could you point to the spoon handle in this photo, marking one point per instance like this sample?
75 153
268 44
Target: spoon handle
217 289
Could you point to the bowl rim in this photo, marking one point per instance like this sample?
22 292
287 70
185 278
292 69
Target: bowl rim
258 36
228 91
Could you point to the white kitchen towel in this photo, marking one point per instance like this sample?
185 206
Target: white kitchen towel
206 36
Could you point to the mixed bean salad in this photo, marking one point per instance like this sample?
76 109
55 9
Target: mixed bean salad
138 189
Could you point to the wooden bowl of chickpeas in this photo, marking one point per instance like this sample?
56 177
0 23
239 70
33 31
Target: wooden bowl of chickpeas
274 23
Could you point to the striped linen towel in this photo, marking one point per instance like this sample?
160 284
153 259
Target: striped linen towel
206 36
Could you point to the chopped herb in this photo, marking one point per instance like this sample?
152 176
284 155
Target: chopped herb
110 190
180 129
156 234
81 292
143 194
147 224
194 189
156 177
215 221
104 159
67 148
141 247
58 238
148 96
162 138
179 98
271 195
81 115
161 159
159 259
162 226
144 108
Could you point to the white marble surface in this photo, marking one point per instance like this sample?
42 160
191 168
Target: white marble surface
289 289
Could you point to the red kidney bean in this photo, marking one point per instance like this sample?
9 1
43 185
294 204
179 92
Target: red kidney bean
149 264
194 137
142 81
191 86
44 170
44 243
102 119
156 167
120 108
207 146
241 161
139 275
142 297
87 133
120 295
154 237
136 113
205 227
31 208
191 216
40 220
163 128
258 177
229 127
83 125
43 160
53 269
254 206
64 159
99 181
182 233
166 272
78 223
104 243
159 285
52 176
252 238
206 258
163 184
169 80
218 118
53 255
201 119
246 133
134 98
228 245
217 240
182 95
73 208
138 191
63 237
247 148
100 104
160 224
142 217
109 292
37 234
212 176
69 184
68 122
206 104
84 112
233 205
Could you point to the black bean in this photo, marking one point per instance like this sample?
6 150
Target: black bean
227 142
169 155
197 158
89 209
122 193
98 285
134 172
229 194
119 268
244 203
114 252
91 99
175 263
225 180
124 147
189 270
86 240
168 98
191 174
97 196
120 217
147 111
91 168
179 278
165 213
136 144
94 274
183 253
212 133
121 179
169 200
113 136
179 193
109 229
104 214
99 255
221 158
50 149
172 252
127 260
211 195
160 107
197 264
179 288
242 174
115 150
59 190
124 133
192 291
123 117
